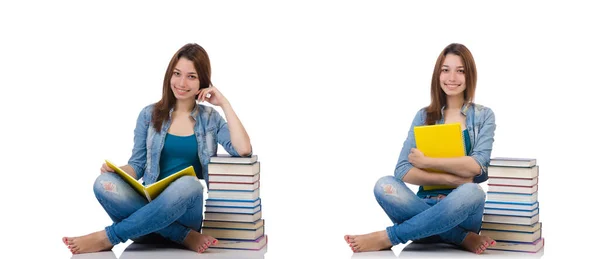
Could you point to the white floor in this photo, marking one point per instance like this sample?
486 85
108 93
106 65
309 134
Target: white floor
137 251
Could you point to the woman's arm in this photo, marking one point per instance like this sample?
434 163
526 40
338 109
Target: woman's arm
233 130
137 162
465 166
239 137
418 176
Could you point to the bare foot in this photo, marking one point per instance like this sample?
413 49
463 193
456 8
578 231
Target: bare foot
477 243
198 242
90 243
370 242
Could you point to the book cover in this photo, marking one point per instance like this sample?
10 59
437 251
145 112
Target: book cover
236 217
513 172
530 247
234 195
217 178
508 212
512 181
440 141
512 236
517 220
513 162
257 244
153 190
233 225
233 203
512 189
234 169
232 209
228 159
510 205
244 234
512 197
234 186
511 227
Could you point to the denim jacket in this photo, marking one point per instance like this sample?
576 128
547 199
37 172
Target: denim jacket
481 124
210 128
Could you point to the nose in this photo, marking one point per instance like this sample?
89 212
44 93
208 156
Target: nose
181 81
452 76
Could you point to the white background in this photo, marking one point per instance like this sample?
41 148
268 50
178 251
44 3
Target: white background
327 92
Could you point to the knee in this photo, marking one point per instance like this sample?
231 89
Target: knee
106 183
188 187
472 193
389 186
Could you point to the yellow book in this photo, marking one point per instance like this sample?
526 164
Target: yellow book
153 190
440 141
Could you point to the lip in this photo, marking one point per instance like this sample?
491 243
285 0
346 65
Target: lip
452 86
180 90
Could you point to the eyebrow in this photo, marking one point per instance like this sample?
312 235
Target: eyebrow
190 73
449 66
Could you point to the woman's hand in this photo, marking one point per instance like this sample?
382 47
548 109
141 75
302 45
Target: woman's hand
213 96
106 169
418 159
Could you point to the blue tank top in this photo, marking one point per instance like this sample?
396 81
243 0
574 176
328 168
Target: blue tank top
178 153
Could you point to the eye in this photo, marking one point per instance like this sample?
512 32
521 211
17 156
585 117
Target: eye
176 73
192 77
462 71
444 70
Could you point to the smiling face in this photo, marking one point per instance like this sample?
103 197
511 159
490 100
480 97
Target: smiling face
452 76
184 81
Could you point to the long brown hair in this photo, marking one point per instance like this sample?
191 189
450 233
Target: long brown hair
199 57
438 96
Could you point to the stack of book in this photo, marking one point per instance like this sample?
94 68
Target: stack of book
511 212
233 213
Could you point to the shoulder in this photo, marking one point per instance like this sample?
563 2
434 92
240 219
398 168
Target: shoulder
205 111
146 112
149 108
483 114
420 116
481 110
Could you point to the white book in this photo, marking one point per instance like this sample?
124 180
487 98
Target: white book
233 209
233 203
257 245
512 172
247 234
513 161
511 219
512 189
237 217
234 169
233 195
513 236
510 205
512 197
519 246
511 227
528 213
236 225
234 186
513 181
233 178
228 159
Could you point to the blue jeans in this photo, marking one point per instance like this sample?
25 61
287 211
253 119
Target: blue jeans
430 219
172 215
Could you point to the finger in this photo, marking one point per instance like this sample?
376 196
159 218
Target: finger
203 94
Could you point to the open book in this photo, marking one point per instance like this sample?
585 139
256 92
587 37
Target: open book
153 190
441 140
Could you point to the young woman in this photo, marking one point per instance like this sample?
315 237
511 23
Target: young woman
447 215
170 135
